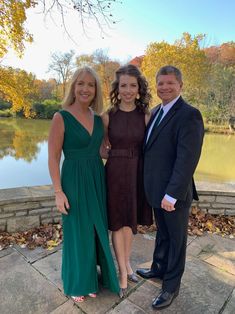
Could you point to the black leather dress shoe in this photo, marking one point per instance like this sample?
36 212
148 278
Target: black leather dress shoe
164 299
148 273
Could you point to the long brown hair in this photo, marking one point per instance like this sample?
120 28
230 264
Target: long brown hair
144 95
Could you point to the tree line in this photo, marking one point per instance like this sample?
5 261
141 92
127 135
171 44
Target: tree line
208 73
25 95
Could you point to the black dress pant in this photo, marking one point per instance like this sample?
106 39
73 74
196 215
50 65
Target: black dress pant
170 246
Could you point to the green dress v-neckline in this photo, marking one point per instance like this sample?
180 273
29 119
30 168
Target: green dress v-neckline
76 120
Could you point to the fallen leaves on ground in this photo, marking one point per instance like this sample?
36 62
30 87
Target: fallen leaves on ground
200 222
50 235
47 236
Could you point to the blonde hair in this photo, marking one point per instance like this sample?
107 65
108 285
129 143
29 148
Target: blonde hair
97 102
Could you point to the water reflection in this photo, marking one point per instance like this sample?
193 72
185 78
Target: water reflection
23 155
23 152
20 138
217 163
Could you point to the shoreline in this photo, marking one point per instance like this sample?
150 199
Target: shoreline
209 128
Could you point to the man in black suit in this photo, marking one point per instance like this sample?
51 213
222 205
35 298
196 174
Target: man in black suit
172 149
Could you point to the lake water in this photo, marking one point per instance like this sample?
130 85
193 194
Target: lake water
23 155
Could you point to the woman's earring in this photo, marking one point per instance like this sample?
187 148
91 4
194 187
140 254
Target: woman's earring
138 96
119 97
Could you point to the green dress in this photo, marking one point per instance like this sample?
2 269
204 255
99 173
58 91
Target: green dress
85 231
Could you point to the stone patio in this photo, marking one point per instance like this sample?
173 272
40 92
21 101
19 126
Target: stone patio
30 281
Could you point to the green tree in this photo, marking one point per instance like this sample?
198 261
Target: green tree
219 100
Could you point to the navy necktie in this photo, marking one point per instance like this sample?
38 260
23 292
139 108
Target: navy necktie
158 118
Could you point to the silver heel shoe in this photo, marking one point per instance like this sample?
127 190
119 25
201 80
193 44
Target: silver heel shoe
132 277
122 293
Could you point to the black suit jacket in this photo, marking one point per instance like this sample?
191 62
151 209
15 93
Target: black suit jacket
171 155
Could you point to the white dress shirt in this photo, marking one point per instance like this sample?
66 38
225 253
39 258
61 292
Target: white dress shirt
165 108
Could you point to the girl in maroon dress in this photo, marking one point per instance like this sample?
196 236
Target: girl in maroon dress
125 124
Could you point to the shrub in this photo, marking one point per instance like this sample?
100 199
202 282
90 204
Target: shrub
46 109
51 109
4 105
39 110
6 113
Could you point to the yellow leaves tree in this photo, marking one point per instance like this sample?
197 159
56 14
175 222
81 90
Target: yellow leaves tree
14 84
13 34
185 54
17 87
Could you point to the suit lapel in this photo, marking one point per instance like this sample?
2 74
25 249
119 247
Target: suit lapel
155 111
163 123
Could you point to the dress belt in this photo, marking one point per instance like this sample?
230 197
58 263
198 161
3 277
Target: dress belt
128 152
74 154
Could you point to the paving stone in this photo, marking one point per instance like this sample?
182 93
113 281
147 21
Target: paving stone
126 307
36 254
190 239
143 247
24 290
67 308
50 267
6 251
215 250
230 306
144 295
223 260
202 246
104 301
208 287
142 250
35 288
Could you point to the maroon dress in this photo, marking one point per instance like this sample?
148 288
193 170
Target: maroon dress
127 205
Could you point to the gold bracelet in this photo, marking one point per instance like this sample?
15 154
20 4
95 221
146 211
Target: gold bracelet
57 191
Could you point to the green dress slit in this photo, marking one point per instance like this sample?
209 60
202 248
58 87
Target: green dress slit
85 231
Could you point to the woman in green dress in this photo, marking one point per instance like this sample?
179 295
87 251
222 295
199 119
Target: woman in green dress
80 188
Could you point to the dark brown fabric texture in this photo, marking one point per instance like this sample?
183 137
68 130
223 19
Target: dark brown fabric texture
127 205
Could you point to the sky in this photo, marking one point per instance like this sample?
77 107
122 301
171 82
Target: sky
139 22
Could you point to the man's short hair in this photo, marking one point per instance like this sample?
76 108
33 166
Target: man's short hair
170 69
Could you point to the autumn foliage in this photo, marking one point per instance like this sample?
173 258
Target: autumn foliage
50 235
17 87
13 33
